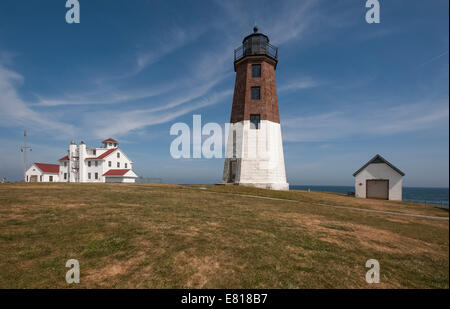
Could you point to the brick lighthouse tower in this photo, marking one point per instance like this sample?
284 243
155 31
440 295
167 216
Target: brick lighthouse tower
254 155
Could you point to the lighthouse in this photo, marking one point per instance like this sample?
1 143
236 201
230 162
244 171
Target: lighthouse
254 153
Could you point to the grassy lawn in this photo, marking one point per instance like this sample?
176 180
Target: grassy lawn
169 236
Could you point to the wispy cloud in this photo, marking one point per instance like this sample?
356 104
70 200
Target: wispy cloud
284 22
194 86
435 58
295 19
105 95
195 93
339 125
14 111
139 118
172 40
298 84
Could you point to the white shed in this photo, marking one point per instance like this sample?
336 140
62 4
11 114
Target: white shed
42 172
379 179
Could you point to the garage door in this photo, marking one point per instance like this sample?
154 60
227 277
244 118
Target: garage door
33 178
377 189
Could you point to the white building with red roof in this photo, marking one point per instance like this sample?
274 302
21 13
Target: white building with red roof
82 164
43 172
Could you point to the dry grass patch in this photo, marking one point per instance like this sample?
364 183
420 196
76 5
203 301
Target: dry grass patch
170 236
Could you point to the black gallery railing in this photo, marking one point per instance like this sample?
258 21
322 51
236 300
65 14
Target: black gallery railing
256 49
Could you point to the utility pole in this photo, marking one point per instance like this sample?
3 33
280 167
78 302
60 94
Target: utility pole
24 150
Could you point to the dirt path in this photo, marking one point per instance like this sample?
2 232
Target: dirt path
334 206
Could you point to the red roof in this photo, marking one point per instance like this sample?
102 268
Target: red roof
65 158
48 168
116 172
110 140
103 155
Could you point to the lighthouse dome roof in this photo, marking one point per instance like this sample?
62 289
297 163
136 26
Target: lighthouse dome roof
256 35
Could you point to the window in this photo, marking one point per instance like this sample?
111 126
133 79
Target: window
256 70
50 178
118 155
27 178
118 164
89 163
40 178
255 93
65 163
254 121
94 152
126 165
96 163
89 175
109 163
96 175
110 144
65 176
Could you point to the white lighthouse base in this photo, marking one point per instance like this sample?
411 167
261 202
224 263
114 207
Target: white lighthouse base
254 157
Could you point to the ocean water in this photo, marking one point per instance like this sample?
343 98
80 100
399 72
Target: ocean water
410 194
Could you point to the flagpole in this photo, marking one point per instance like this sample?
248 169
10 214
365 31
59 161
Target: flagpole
25 156
24 150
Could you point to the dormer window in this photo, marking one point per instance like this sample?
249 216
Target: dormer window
94 152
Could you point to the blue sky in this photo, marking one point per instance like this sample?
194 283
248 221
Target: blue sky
347 90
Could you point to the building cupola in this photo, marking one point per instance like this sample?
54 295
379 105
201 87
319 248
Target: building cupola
110 143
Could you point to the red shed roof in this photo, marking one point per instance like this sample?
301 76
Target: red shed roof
103 155
65 158
110 140
116 172
48 168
